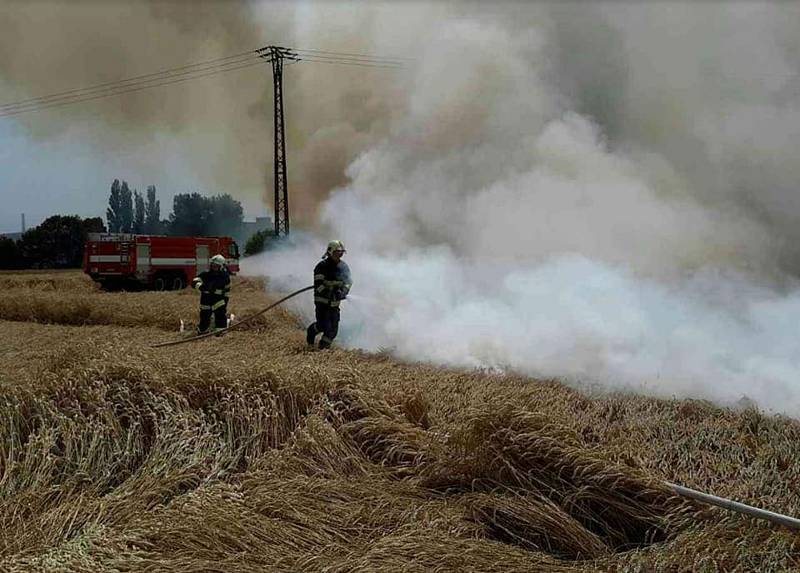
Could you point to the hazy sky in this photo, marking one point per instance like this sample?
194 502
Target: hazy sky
68 174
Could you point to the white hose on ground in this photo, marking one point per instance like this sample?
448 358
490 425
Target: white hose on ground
234 325
735 506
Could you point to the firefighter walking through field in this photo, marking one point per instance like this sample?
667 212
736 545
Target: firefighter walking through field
215 287
331 285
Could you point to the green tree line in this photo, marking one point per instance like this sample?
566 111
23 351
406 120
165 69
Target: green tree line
192 214
55 244
58 241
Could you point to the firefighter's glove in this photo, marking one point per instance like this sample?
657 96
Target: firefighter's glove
341 294
197 283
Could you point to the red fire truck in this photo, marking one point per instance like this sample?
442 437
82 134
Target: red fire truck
153 261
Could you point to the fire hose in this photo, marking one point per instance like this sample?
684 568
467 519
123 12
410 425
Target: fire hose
756 512
235 325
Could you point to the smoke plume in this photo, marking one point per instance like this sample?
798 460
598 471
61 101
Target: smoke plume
604 194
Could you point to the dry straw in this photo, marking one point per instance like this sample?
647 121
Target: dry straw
251 453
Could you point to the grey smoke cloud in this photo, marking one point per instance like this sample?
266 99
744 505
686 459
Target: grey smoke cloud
712 89
600 194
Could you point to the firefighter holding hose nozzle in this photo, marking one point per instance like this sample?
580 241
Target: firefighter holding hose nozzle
215 287
331 285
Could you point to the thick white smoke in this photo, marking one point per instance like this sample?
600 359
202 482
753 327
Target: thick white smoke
623 217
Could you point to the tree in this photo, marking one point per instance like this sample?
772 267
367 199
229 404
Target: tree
226 215
195 215
113 215
119 214
138 213
93 225
9 254
152 213
259 241
56 243
126 209
189 215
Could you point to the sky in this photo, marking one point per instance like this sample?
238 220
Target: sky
602 193
175 137
211 135
67 175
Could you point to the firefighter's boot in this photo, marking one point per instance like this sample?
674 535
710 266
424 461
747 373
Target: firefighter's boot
311 333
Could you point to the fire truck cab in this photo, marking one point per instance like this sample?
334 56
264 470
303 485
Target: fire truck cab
153 261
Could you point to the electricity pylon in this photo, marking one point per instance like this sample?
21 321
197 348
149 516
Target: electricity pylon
277 55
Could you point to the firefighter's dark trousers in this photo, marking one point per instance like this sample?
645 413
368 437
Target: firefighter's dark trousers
220 317
327 323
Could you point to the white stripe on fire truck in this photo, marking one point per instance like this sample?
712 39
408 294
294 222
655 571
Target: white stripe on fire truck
105 258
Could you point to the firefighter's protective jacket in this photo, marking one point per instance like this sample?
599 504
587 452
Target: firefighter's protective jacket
215 287
331 282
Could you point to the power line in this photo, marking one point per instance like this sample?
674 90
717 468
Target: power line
194 71
107 85
349 63
373 56
132 88
349 60
295 54
346 55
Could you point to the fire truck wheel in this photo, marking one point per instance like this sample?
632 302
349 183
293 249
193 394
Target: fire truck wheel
178 283
160 283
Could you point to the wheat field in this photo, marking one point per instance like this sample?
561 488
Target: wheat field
251 453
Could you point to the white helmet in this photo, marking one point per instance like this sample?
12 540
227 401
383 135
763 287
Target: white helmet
217 260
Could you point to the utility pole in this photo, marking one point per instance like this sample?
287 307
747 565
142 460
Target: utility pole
276 55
